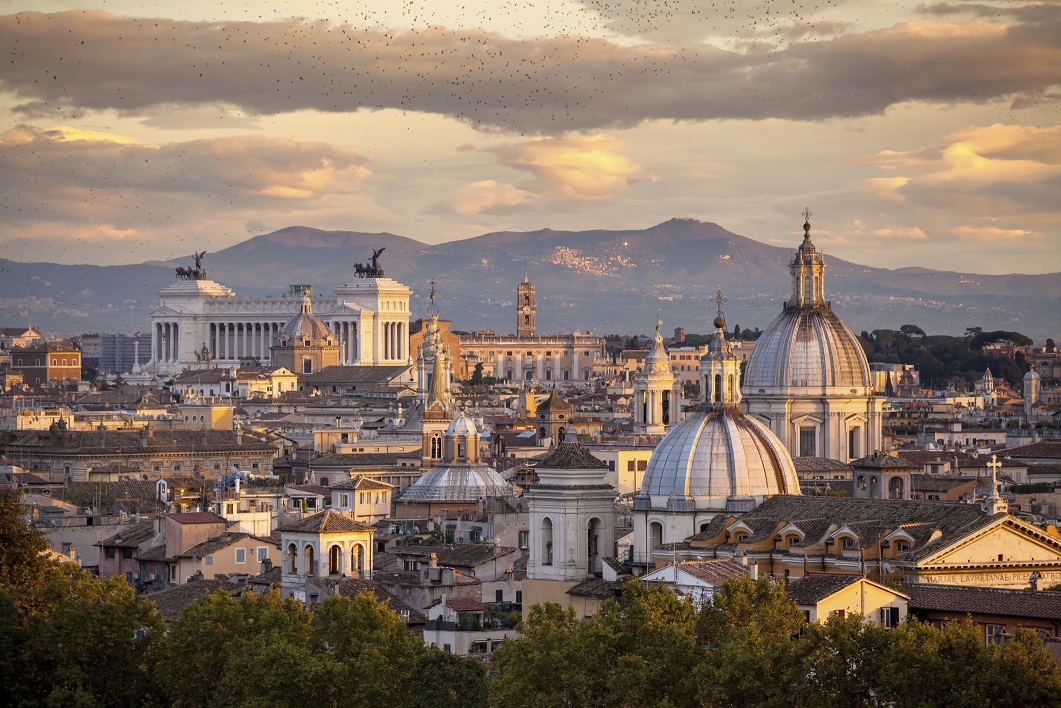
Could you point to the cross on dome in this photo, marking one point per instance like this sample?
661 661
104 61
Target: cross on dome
719 300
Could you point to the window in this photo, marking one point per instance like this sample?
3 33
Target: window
108 553
807 442
519 597
209 560
499 595
902 546
849 543
263 553
307 366
344 500
889 617
127 554
523 539
241 555
838 613
994 632
631 465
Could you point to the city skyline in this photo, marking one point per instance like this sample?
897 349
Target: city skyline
917 134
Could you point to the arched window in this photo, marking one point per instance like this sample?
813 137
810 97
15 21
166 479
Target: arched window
895 488
729 389
436 446
862 482
311 567
874 489
292 559
334 564
718 388
593 538
357 559
655 535
547 541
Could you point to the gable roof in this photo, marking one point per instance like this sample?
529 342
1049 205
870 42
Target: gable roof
172 601
812 588
715 571
363 483
132 536
216 543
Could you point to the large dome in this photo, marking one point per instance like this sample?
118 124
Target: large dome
808 347
720 459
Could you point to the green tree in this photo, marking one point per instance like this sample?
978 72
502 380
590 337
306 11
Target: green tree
24 567
373 645
843 659
750 628
477 374
552 664
442 679
913 330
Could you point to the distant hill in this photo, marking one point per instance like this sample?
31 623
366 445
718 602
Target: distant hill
607 281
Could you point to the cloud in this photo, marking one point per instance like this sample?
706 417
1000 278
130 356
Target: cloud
580 169
487 197
991 233
93 187
911 233
887 187
70 62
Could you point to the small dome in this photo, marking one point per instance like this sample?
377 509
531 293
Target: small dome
462 425
1032 375
718 455
810 348
306 325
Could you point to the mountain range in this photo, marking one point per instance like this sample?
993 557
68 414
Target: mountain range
604 281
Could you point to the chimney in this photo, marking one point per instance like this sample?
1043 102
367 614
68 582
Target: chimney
753 571
267 565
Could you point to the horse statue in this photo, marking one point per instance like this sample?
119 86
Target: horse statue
184 273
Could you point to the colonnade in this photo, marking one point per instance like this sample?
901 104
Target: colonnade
165 342
394 340
349 341
231 340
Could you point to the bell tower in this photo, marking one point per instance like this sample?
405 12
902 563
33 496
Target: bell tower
526 309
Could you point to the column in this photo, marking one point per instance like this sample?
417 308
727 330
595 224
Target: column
176 342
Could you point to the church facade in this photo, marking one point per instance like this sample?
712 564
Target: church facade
201 320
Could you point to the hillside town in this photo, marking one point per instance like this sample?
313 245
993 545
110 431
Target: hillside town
330 445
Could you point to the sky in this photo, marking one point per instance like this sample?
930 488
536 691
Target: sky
918 134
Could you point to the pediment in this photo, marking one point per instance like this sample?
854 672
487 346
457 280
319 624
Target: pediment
1012 539
344 309
807 418
164 311
856 419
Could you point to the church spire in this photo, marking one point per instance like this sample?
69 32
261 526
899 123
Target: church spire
808 272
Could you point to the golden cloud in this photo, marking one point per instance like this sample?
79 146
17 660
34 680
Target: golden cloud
581 169
912 233
992 233
488 196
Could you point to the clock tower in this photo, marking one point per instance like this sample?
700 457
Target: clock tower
526 309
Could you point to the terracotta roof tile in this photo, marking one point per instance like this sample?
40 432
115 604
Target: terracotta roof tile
812 588
571 456
989 601
327 521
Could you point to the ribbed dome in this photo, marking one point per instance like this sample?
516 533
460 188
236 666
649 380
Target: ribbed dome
306 325
718 455
462 425
458 482
1032 376
808 347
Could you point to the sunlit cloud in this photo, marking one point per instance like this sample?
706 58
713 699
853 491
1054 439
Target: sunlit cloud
487 197
910 233
991 233
581 169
